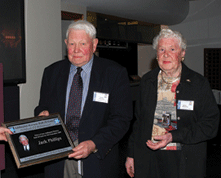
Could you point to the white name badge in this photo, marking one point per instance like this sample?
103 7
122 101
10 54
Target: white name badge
101 97
185 105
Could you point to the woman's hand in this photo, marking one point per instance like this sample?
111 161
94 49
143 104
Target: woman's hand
130 166
163 140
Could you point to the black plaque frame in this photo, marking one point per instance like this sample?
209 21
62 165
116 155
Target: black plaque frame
47 136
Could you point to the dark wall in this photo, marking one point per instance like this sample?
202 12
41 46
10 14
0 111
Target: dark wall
125 57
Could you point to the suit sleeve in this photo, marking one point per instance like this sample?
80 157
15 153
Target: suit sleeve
119 115
130 149
43 95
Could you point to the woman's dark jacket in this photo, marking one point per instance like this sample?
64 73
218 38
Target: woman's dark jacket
194 127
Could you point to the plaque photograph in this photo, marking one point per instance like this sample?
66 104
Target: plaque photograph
38 139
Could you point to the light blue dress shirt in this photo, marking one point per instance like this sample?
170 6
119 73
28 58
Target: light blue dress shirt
85 75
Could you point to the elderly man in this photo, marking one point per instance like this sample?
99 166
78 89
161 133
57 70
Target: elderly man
92 95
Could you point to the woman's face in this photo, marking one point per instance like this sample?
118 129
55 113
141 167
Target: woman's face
169 55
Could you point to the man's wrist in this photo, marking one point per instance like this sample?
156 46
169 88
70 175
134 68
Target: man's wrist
95 150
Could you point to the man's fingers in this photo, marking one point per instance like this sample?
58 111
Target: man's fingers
44 113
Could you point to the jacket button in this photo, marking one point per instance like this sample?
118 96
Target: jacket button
108 151
178 118
177 91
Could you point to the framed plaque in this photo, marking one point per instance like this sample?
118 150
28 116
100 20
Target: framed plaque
38 139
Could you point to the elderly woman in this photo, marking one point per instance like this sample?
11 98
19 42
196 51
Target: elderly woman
176 114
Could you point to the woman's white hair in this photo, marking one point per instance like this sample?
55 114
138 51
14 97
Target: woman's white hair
82 25
168 33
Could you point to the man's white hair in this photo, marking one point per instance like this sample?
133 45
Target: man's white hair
82 25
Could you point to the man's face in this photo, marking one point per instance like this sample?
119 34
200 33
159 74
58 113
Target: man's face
23 141
80 47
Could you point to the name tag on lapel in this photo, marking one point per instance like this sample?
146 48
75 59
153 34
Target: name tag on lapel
185 105
100 97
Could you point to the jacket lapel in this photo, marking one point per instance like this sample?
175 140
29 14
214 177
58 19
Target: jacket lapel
94 85
62 86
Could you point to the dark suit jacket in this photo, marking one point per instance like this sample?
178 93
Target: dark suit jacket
195 127
103 123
